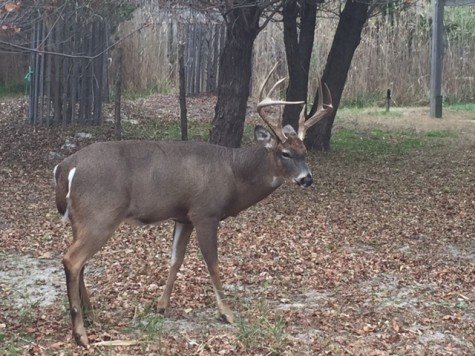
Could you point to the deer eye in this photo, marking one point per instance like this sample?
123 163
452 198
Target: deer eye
286 155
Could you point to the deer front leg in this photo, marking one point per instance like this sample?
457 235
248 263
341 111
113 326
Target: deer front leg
181 237
207 240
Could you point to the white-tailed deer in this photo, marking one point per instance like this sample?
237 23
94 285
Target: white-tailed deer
195 184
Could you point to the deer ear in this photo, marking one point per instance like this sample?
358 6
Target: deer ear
263 136
289 131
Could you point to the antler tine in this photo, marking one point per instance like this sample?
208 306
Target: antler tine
302 118
275 86
324 108
274 124
261 89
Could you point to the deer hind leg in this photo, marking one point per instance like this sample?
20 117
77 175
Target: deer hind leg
207 231
87 309
181 237
85 244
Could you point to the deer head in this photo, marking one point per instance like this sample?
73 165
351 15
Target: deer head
287 145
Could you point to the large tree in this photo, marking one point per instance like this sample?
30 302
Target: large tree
243 23
299 17
242 27
346 40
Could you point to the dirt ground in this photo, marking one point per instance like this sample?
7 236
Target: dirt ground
376 258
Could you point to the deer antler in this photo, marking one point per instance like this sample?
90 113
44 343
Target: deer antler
324 107
274 124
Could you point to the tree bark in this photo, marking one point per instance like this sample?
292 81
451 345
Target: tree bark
346 40
298 50
242 27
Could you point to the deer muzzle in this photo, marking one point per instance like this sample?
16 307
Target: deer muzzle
306 181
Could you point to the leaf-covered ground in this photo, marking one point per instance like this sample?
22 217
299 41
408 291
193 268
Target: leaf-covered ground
377 257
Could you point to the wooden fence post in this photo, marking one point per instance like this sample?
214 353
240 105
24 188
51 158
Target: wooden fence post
437 54
182 85
118 96
388 99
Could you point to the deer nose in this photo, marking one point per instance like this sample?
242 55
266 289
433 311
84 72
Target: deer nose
306 181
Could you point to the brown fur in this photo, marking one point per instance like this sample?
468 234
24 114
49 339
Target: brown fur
195 184
61 183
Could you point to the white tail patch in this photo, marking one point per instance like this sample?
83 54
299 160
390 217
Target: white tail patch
65 217
70 181
54 174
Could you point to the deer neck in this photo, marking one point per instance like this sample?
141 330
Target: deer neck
255 171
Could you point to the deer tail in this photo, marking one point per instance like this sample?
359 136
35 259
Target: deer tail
63 179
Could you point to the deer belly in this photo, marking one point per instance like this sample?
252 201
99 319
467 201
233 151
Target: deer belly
156 215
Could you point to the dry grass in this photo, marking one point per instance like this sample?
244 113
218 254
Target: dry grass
410 119
394 54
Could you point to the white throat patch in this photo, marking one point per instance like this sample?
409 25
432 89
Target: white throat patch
276 181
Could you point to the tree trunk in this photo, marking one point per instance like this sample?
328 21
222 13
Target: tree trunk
298 50
346 40
234 76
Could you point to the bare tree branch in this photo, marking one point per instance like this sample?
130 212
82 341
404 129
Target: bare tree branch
37 50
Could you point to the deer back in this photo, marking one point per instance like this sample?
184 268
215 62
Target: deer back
149 181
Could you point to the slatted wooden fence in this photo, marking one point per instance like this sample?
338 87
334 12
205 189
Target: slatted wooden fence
150 57
65 85
203 45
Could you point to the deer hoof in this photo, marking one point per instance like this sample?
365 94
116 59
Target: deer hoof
88 322
162 305
161 308
81 339
89 318
227 318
